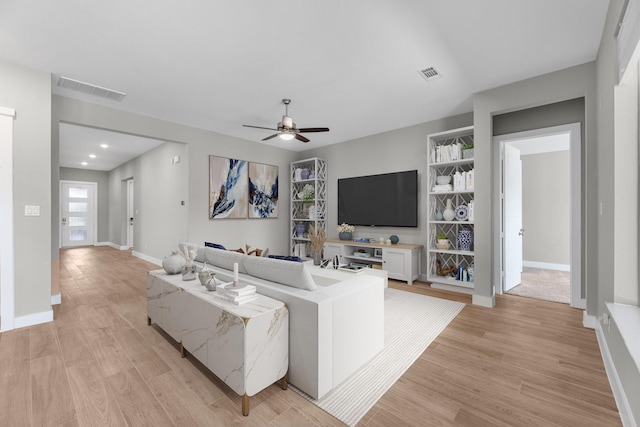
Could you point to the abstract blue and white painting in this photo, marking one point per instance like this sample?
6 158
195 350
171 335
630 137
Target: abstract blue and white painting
263 191
228 193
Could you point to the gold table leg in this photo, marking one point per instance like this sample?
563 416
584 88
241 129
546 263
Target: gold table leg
245 405
283 381
148 320
183 353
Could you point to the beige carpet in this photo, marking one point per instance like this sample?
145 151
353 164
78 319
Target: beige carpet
548 285
411 323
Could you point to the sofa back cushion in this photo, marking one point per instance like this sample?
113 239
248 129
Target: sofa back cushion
225 259
288 273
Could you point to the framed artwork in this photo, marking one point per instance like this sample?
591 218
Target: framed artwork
263 191
228 195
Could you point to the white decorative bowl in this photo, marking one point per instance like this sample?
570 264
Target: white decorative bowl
443 179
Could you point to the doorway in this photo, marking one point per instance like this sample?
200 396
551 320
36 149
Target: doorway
130 213
78 212
539 199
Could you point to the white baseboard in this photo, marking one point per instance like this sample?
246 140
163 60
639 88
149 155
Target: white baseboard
546 265
484 301
56 299
33 319
589 321
151 259
614 380
113 245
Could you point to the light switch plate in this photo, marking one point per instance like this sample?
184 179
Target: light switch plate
31 210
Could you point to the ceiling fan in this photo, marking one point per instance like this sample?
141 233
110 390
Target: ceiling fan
286 129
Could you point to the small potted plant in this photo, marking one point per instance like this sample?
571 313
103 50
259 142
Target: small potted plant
345 231
317 238
308 193
442 241
467 150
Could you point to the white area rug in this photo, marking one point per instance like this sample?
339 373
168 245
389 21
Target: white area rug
411 323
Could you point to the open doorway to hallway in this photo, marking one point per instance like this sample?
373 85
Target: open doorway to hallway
538 218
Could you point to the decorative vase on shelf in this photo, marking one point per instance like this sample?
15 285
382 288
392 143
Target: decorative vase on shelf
438 215
305 173
345 235
189 272
300 229
449 213
174 263
465 239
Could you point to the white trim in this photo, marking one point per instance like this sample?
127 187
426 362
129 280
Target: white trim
113 245
34 319
56 299
7 258
8 112
484 301
151 259
574 131
546 265
624 409
95 208
589 321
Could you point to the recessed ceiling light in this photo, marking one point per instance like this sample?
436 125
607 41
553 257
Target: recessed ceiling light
93 156
84 163
104 145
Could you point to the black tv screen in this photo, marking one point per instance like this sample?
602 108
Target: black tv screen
385 200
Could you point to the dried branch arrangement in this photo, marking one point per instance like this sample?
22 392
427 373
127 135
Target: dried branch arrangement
317 238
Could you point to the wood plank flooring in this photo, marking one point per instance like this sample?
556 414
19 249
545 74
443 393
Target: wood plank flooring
524 362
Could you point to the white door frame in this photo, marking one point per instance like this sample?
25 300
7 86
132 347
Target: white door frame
95 208
577 299
7 272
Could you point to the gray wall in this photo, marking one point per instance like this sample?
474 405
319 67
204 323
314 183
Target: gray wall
546 207
609 120
102 179
29 93
160 184
563 85
398 150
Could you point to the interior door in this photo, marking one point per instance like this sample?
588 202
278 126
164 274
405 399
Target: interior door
512 217
77 211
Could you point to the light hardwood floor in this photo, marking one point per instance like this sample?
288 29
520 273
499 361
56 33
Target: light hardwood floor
524 362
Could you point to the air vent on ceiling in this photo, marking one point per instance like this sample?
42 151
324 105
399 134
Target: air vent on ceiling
90 89
430 73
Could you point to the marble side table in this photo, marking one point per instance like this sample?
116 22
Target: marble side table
246 346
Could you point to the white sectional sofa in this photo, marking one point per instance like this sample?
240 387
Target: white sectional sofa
335 326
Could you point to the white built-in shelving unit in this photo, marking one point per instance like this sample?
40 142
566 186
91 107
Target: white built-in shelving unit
445 159
308 212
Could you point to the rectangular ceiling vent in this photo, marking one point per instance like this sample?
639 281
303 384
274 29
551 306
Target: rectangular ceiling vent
430 73
88 88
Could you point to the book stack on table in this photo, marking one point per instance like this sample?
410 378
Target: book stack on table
237 293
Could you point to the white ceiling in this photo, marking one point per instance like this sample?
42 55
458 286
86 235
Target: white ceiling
81 142
351 66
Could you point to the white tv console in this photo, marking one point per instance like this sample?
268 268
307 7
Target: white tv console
401 261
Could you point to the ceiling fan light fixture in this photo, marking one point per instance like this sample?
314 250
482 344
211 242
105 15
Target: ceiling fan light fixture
286 136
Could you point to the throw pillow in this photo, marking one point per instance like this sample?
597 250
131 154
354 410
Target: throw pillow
293 274
286 258
214 245
239 250
250 250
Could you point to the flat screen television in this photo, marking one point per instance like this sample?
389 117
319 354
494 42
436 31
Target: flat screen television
385 200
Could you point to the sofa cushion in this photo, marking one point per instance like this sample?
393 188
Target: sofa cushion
292 274
225 259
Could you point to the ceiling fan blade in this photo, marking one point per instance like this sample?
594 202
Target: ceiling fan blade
258 127
269 137
313 130
301 138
